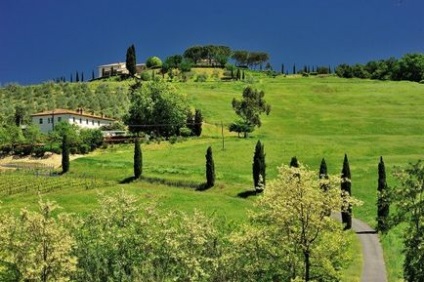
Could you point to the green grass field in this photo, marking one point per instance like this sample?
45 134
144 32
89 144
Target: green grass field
311 118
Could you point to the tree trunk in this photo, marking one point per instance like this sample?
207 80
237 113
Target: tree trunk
307 265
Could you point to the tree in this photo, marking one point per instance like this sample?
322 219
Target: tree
259 167
289 228
345 185
19 116
131 61
198 121
282 69
76 77
156 107
65 154
323 170
383 198
251 106
138 159
153 62
294 162
240 126
210 168
407 200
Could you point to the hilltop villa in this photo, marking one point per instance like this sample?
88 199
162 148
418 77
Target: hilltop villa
116 69
47 120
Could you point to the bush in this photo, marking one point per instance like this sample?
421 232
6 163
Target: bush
201 78
145 76
154 62
185 132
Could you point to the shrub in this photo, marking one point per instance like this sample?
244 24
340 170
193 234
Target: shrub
185 132
154 62
201 78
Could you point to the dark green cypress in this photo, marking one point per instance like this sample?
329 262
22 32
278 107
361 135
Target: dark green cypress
282 68
323 170
238 74
345 186
242 76
76 77
92 75
198 121
138 159
210 168
294 68
383 198
130 63
259 167
65 154
294 162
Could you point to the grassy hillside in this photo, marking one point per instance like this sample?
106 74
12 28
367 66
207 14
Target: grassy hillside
311 118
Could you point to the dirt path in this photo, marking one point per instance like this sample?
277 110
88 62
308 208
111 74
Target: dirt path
374 268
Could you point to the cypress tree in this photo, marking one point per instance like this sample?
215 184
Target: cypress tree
258 167
82 76
138 159
210 168
65 154
131 60
383 198
198 121
238 74
242 76
282 68
323 170
294 68
92 75
76 77
72 80
294 162
346 188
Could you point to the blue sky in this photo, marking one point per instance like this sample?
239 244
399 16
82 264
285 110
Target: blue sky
44 39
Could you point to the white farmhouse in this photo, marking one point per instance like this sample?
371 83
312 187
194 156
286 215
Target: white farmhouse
47 120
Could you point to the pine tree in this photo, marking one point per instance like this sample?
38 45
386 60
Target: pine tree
346 188
138 159
65 154
198 121
210 168
258 167
383 198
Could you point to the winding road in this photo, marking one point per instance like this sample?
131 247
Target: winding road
374 268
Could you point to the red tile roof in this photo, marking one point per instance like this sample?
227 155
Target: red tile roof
69 112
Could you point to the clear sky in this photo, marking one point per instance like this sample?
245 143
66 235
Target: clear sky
45 39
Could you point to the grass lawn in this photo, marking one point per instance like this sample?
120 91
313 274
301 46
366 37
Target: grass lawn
311 118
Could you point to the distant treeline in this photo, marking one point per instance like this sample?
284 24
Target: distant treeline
409 67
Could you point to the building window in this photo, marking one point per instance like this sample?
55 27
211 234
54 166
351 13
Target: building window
59 119
73 119
98 122
41 121
92 122
80 120
48 120
86 121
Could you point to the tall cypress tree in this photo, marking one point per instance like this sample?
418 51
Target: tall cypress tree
131 60
92 75
294 68
198 121
346 188
282 68
323 174
210 168
65 154
76 77
258 167
138 159
383 198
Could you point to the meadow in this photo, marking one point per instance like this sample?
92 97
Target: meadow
311 118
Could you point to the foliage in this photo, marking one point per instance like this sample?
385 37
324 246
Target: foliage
198 121
209 55
294 162
210 168
383 199
409 67
138 159
153 62
131 61
36 246
251 106
290 235
241 126
259 167
408 203
156 107
65 154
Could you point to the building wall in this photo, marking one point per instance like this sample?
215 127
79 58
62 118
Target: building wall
47 122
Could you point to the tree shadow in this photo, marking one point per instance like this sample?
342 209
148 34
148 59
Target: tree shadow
247 194
203 187
366 232
127 180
